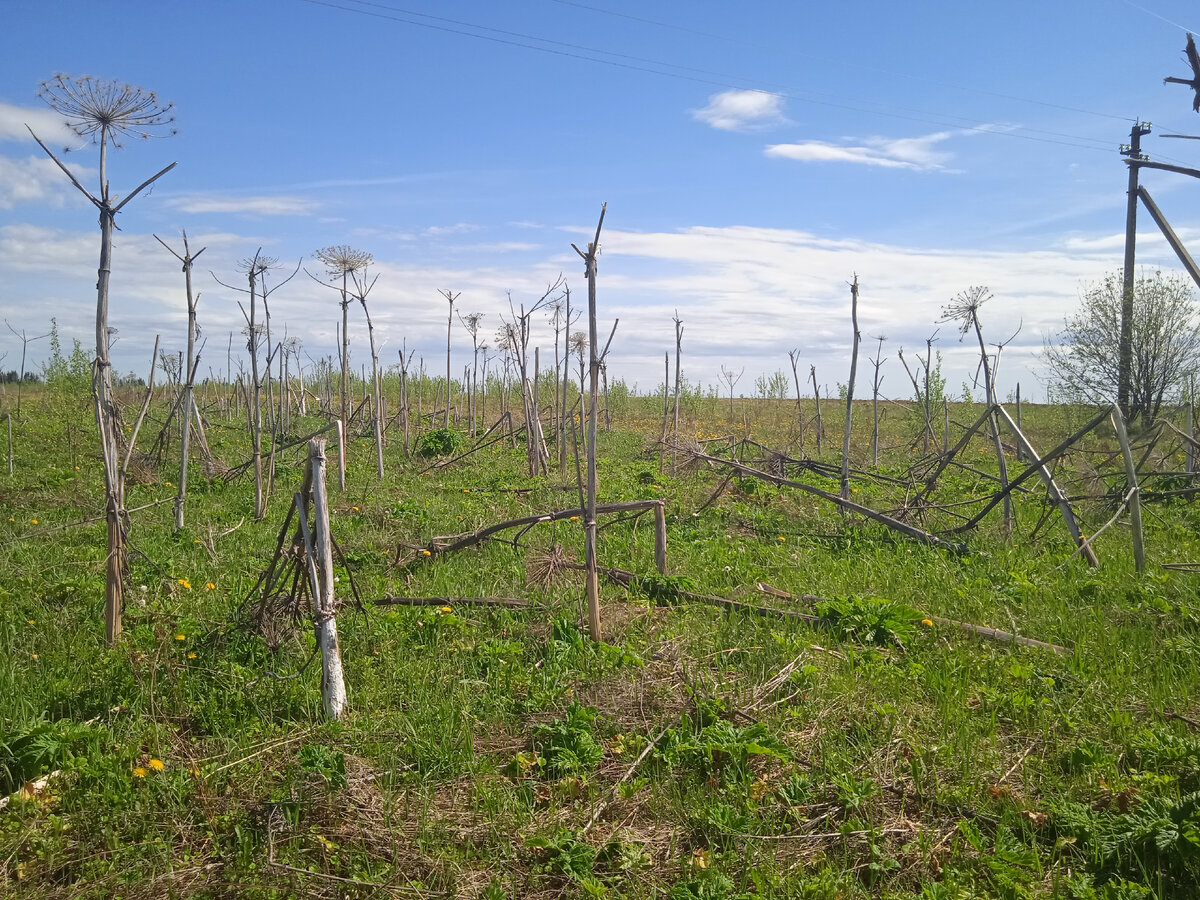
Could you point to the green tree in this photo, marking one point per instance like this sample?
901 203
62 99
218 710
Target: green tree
1082 361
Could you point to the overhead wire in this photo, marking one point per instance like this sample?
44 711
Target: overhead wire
646 65
793 51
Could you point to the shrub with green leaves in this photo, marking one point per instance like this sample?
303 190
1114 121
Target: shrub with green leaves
1159 835
719 749
439 442
869 620
568 746
32 752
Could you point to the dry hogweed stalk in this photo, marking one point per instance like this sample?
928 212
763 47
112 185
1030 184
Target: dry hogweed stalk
105 112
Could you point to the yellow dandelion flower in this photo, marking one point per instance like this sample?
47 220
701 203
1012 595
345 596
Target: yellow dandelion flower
574 518
181 637
31 621
782 538
426 553
11 519
208 586
466 490
33 656
170 485
444 609
139 772
191 656
77 468
156 765
928 623
34 521
184 583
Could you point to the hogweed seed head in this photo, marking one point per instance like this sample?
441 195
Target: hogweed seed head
100 110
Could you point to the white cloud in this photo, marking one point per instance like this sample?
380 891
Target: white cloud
456 228
893 153
251 206
46 123
746 294
36 178
741 110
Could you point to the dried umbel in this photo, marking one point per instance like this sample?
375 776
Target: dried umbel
342 259
964 308
258 264
105 110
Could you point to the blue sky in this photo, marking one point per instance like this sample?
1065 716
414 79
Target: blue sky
754 157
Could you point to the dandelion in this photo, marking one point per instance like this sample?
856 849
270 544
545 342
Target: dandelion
77 468
139 772
184 583
782 538
31 621
191 656
574 518
181 637
34 521
426 553
170 485
11 519
209 586
33 656
928 623
444 609
466 490
156 765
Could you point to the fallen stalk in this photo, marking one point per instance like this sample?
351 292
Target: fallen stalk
904 528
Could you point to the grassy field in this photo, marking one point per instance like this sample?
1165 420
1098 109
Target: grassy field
696 753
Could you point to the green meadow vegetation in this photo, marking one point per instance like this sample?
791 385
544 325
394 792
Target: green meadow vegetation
870 749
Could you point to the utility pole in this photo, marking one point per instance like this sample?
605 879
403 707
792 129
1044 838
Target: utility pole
1132 151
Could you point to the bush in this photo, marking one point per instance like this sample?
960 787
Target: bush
439 442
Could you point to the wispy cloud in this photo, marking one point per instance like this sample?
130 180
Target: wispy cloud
456 228
48 125
918 153
35 179
741 110
747 294
251 206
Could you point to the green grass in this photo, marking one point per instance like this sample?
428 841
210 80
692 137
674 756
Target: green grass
892 759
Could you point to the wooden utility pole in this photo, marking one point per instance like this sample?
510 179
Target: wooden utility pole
1132 151
593 578
1135 499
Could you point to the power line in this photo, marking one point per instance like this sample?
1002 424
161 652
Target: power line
642 64
1151 12
794 52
